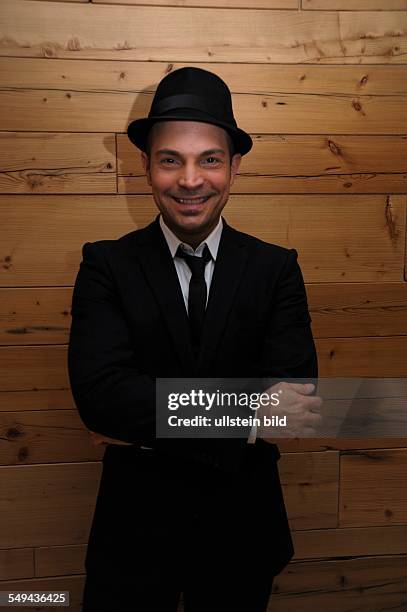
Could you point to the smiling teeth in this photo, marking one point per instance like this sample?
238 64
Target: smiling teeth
183 201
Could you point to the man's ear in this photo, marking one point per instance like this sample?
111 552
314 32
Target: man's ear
236 159
146 165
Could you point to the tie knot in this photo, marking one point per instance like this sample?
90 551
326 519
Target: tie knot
195 263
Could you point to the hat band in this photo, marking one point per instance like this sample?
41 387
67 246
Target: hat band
188 101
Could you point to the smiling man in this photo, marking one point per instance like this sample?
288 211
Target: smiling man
187 296
191 180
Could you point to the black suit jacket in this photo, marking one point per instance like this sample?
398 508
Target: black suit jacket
129 326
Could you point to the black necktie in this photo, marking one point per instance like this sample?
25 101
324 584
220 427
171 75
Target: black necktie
197 291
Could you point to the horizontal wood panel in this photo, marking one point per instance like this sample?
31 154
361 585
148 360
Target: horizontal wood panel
41 315
246 78
368 244
33 367
299 164
120 32
372 488
352 5
45 436
267 4
366 585
64 0
47 399
16 563
295 445
57 163
45 505
69 111
375 357
60 560
352 541
35 315
310 486
357 309
73 584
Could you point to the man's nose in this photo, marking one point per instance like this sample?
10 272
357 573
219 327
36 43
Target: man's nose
190 177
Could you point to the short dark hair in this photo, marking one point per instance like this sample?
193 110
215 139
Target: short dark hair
231 145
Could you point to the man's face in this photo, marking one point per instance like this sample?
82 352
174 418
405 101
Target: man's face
189 161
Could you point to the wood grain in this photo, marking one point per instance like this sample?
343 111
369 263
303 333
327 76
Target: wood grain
119 32
60 560
33 367
57 163
45 436
310 486
353 5
36 399
35 315
229 4
47 505
357 309
285 113
372 488
351 541
16 563
242 78
375 357
368 244
366 584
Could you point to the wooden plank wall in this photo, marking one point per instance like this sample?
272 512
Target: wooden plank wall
322 87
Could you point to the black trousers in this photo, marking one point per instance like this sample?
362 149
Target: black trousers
162 527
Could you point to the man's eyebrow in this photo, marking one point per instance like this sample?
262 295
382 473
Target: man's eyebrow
173 152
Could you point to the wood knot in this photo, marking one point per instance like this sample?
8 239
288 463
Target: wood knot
23 453
357 106
334 147
13 432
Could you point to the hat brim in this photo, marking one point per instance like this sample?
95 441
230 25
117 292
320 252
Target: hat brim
138 129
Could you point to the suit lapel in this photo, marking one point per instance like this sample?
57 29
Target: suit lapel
158 266
229 267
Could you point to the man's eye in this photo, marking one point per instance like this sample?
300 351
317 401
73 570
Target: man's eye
167 159
214 158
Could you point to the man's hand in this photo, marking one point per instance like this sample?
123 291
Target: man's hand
98 439
302 411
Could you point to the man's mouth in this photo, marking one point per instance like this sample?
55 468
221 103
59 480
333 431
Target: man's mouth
191 201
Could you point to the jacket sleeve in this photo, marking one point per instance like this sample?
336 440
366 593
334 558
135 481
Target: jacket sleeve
289 349
112 395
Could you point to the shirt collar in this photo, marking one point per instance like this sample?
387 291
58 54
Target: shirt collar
212 241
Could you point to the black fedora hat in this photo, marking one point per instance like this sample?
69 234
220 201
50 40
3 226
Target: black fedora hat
191 94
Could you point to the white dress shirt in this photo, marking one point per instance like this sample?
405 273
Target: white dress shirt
184 273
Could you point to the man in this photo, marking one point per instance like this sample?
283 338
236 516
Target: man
186 296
